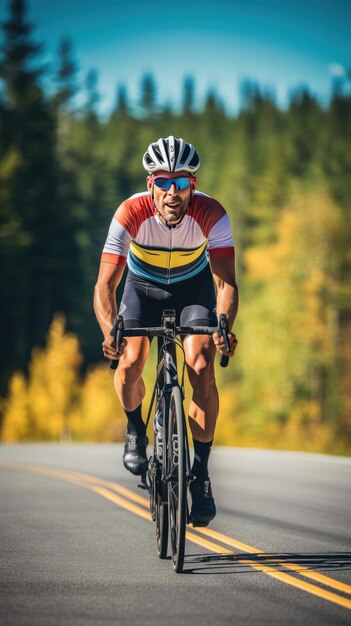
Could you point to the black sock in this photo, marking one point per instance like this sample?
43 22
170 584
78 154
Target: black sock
201 455
135 424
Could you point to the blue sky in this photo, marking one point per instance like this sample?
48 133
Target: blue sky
279 43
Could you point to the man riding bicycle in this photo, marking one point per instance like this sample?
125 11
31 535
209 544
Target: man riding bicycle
178 246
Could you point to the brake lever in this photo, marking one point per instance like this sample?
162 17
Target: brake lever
224 330
117 333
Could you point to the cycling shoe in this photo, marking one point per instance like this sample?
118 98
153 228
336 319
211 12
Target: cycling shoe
134 457
203 508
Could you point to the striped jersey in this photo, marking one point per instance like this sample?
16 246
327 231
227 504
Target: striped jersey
168 255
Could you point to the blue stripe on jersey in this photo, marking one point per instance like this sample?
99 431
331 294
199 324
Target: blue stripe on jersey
167 277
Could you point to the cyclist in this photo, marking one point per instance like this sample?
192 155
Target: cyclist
178 245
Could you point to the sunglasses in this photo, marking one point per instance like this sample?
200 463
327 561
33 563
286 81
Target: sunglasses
165 183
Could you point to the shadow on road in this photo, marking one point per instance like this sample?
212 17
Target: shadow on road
234 564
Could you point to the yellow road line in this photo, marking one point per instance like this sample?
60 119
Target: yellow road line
81 478
109 495
90 482
270 571
305 572
85 480
302 570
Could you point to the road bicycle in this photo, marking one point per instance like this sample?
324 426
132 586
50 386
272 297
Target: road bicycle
169 470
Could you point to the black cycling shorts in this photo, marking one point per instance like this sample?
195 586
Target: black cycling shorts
194 301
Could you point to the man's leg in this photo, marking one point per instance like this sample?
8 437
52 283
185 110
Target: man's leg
203 411
129 385
130 389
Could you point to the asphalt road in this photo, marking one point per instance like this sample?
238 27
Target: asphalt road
81 550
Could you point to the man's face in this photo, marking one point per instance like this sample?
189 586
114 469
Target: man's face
173 203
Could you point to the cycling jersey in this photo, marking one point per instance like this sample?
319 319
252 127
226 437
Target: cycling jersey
163 254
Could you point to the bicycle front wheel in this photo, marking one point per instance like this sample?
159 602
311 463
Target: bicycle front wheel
176 470
161 527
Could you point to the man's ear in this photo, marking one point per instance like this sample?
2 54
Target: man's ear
149 183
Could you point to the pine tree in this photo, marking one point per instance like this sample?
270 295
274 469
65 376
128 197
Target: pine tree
148 95
38 239
93 96
28 151
66 75
188 103
122 105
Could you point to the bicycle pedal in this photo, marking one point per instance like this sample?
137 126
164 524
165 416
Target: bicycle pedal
143 483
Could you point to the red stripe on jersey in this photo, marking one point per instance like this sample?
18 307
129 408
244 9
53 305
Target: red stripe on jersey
114 259
219 253
133 212
206 211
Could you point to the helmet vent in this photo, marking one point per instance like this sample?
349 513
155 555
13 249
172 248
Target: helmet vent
149 160
158 153
194 161
185 154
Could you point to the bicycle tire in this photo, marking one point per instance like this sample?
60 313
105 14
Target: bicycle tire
161 513
176 469
161 527
161 504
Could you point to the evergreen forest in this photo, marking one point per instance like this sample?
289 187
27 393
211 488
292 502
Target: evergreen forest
284 177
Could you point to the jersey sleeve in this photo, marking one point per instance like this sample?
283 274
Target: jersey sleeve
220 241
116 247
214 223
125 226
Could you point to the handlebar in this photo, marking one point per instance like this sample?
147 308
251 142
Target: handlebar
118 332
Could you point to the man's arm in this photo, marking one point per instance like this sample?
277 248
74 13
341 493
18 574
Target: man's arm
223 270
105 306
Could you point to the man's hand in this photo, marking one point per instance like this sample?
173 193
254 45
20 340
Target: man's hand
109 348
219 343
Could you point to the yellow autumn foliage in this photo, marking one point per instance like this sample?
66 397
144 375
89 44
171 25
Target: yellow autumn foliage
41 408
16 425
56 403
98 415
290 332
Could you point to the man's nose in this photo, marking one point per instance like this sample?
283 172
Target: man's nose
172 190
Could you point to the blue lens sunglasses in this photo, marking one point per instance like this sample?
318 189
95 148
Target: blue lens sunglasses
165 183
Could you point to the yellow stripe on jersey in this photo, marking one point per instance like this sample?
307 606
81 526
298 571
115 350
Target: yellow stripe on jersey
167 258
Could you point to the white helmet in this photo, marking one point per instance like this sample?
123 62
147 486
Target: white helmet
172 155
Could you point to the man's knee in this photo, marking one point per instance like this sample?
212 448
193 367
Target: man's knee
130 369
132 361
201 370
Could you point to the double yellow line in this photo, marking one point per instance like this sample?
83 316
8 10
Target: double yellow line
207 538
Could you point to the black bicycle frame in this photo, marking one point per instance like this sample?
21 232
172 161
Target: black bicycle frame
168 362
168 374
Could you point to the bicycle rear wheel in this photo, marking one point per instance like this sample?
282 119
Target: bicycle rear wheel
176 471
